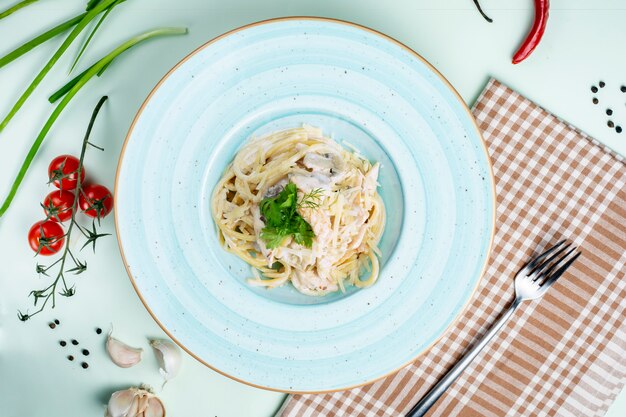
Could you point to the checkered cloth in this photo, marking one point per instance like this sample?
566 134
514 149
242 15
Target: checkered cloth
562 355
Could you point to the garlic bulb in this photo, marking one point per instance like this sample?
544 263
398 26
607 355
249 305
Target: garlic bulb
169 357
135 402
121 354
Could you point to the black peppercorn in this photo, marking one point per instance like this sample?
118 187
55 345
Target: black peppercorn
70 357
85 365
602 84
52 325
610 123
63 343
623 89
74 342
609 112
98 330
85 352
595 100
594 89
618 129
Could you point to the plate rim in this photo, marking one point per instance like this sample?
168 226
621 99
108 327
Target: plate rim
384 37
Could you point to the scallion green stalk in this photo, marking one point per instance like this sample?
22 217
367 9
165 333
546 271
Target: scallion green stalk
33 43
44 71
91 4
88 40
93 32
21 50
71 83
67 87
15 8
89 74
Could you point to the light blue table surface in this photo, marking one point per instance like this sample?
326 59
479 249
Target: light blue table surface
584 43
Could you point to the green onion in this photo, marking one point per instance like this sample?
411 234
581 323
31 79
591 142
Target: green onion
18 52
71 83
93 32
33 43
71 93
44 71
63 90
67 87
15 8
104 68
86 43
91 4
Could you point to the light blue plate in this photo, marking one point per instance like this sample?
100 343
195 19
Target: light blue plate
362 88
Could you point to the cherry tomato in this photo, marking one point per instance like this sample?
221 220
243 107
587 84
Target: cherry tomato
58 205
95 200
62 171
46 237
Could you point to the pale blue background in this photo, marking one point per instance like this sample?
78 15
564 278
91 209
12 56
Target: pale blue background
584 43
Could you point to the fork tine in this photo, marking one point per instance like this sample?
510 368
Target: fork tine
551 267
550 261
553 275
535 261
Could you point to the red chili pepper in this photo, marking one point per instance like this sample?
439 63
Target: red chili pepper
536 32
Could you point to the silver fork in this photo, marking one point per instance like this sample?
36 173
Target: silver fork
531 282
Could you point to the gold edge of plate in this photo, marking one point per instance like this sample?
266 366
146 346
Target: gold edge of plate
377 33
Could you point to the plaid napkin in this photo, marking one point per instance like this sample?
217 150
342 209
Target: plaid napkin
562 355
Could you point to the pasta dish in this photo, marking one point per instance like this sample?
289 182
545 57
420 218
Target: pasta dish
300 208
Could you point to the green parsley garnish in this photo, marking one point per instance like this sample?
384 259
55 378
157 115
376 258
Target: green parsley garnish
282 219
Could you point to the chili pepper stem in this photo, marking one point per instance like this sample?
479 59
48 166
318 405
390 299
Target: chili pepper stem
483 14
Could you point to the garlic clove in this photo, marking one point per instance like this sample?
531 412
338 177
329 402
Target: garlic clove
120 403
142 404
135 402
132 411
169 357
121 354
155 408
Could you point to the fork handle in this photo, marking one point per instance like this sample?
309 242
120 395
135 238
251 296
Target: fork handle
421 408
